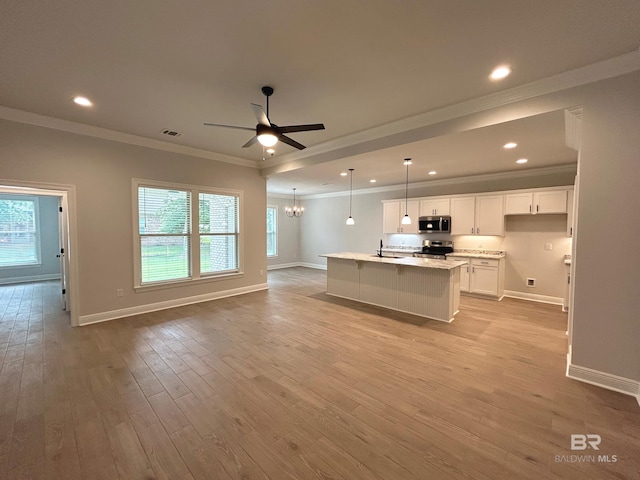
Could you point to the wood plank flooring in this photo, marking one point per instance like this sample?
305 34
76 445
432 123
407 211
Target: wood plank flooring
290 383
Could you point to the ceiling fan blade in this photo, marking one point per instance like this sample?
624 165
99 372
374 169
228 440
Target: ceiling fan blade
301 128
229 126
289 141
260 115
250 142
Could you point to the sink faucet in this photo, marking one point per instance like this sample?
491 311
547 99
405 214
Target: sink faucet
380 251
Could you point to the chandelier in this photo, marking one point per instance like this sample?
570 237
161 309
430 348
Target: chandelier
295 211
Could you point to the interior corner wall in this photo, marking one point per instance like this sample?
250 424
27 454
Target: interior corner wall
288 234
102 172
606 318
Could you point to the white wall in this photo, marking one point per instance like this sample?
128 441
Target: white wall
101 171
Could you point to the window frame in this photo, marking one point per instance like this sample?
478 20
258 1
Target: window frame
37 230
194 237
275 232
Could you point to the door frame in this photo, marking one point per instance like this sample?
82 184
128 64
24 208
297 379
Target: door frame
68 195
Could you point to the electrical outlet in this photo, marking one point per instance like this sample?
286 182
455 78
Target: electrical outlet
548 246
261 272
119 292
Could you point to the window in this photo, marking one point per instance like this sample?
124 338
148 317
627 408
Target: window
19 231
272 231
171 246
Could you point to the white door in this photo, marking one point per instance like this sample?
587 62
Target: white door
484 280
63 251
464 274
391 217
490 215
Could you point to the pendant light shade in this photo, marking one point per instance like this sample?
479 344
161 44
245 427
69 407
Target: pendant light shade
406 220
350 220
295 211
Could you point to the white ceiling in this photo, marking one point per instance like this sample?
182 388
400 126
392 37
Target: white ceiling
353 65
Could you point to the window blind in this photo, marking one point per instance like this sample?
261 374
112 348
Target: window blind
18 233
218 232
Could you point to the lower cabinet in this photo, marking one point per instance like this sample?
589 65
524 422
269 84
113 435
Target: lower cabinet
483 276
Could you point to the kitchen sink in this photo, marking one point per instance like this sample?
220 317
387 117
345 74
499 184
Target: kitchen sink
385 256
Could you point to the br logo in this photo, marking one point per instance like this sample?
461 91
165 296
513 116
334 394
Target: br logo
582 442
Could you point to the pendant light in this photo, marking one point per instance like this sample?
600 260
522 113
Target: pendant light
350 220
295 211
406 220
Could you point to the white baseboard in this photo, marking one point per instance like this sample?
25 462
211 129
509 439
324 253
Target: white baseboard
283 265
298 264
605 380
533 297
30 278
179 302
317 266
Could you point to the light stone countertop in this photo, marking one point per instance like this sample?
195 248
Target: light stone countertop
404 261
478 253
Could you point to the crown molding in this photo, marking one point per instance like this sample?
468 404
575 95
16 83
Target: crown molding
485 177
613 67
21 116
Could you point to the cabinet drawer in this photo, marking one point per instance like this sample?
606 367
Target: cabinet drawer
487 262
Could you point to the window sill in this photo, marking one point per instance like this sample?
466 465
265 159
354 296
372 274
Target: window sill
186 282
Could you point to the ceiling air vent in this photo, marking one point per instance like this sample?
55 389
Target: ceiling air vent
170 133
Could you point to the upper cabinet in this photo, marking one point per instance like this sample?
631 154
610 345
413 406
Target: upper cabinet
435 206
480 215
393 212
535 203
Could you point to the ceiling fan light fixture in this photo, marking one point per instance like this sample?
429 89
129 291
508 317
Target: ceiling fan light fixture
267 139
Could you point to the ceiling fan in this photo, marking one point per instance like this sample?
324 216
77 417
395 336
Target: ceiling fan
267 133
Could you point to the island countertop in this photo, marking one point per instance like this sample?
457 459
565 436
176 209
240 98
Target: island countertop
405 261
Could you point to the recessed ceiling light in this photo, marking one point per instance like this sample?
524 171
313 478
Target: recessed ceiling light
432 172
510 145
83 101
500 72
373 180
343 174
522 160
270 151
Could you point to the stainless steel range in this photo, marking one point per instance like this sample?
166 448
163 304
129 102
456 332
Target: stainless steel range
437 249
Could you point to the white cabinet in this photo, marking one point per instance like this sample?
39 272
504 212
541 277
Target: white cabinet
534 203
393 212
481 215
435 206
482 276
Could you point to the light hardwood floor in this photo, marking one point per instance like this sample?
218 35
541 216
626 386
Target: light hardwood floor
293 384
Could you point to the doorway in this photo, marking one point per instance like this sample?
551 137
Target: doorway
67 235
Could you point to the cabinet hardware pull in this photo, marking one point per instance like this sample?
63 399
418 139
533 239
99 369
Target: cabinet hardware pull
537 208
529 208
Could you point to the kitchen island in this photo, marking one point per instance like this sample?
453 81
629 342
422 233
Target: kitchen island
420 286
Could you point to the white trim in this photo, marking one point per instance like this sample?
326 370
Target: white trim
604 380
30 278
30 118
534 297
178 302
283 265
317 266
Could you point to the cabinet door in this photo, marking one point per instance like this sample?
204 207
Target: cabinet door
430 207
484 280
391 217
490 215
550 202
464 276
518 203
463 214
412 208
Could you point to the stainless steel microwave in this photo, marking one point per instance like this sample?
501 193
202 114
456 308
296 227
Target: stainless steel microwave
441 224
